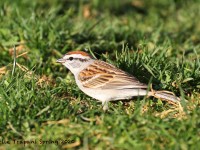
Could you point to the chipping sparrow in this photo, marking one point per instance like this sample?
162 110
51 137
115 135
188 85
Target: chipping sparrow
105 82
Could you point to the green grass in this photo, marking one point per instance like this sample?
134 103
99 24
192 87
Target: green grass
156 41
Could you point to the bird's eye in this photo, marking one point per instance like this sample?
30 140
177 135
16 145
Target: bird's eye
71 58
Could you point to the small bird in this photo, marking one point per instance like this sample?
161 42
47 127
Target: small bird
105 82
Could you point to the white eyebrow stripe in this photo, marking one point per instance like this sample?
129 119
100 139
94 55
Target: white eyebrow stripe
76 56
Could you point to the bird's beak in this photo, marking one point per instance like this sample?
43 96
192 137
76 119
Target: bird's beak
61 60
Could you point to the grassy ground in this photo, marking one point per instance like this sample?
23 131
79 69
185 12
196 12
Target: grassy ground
157 41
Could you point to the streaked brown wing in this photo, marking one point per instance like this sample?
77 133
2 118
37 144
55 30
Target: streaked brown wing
103 75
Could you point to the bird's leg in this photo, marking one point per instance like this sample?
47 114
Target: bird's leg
105 105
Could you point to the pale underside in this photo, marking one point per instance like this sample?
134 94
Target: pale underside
105 82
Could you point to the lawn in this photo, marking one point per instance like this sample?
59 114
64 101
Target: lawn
156 41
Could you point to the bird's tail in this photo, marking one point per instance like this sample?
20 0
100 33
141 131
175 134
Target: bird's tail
165 95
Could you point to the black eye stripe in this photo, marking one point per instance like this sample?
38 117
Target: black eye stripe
80 59
71 58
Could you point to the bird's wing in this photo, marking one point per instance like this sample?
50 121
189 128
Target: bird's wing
103 75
